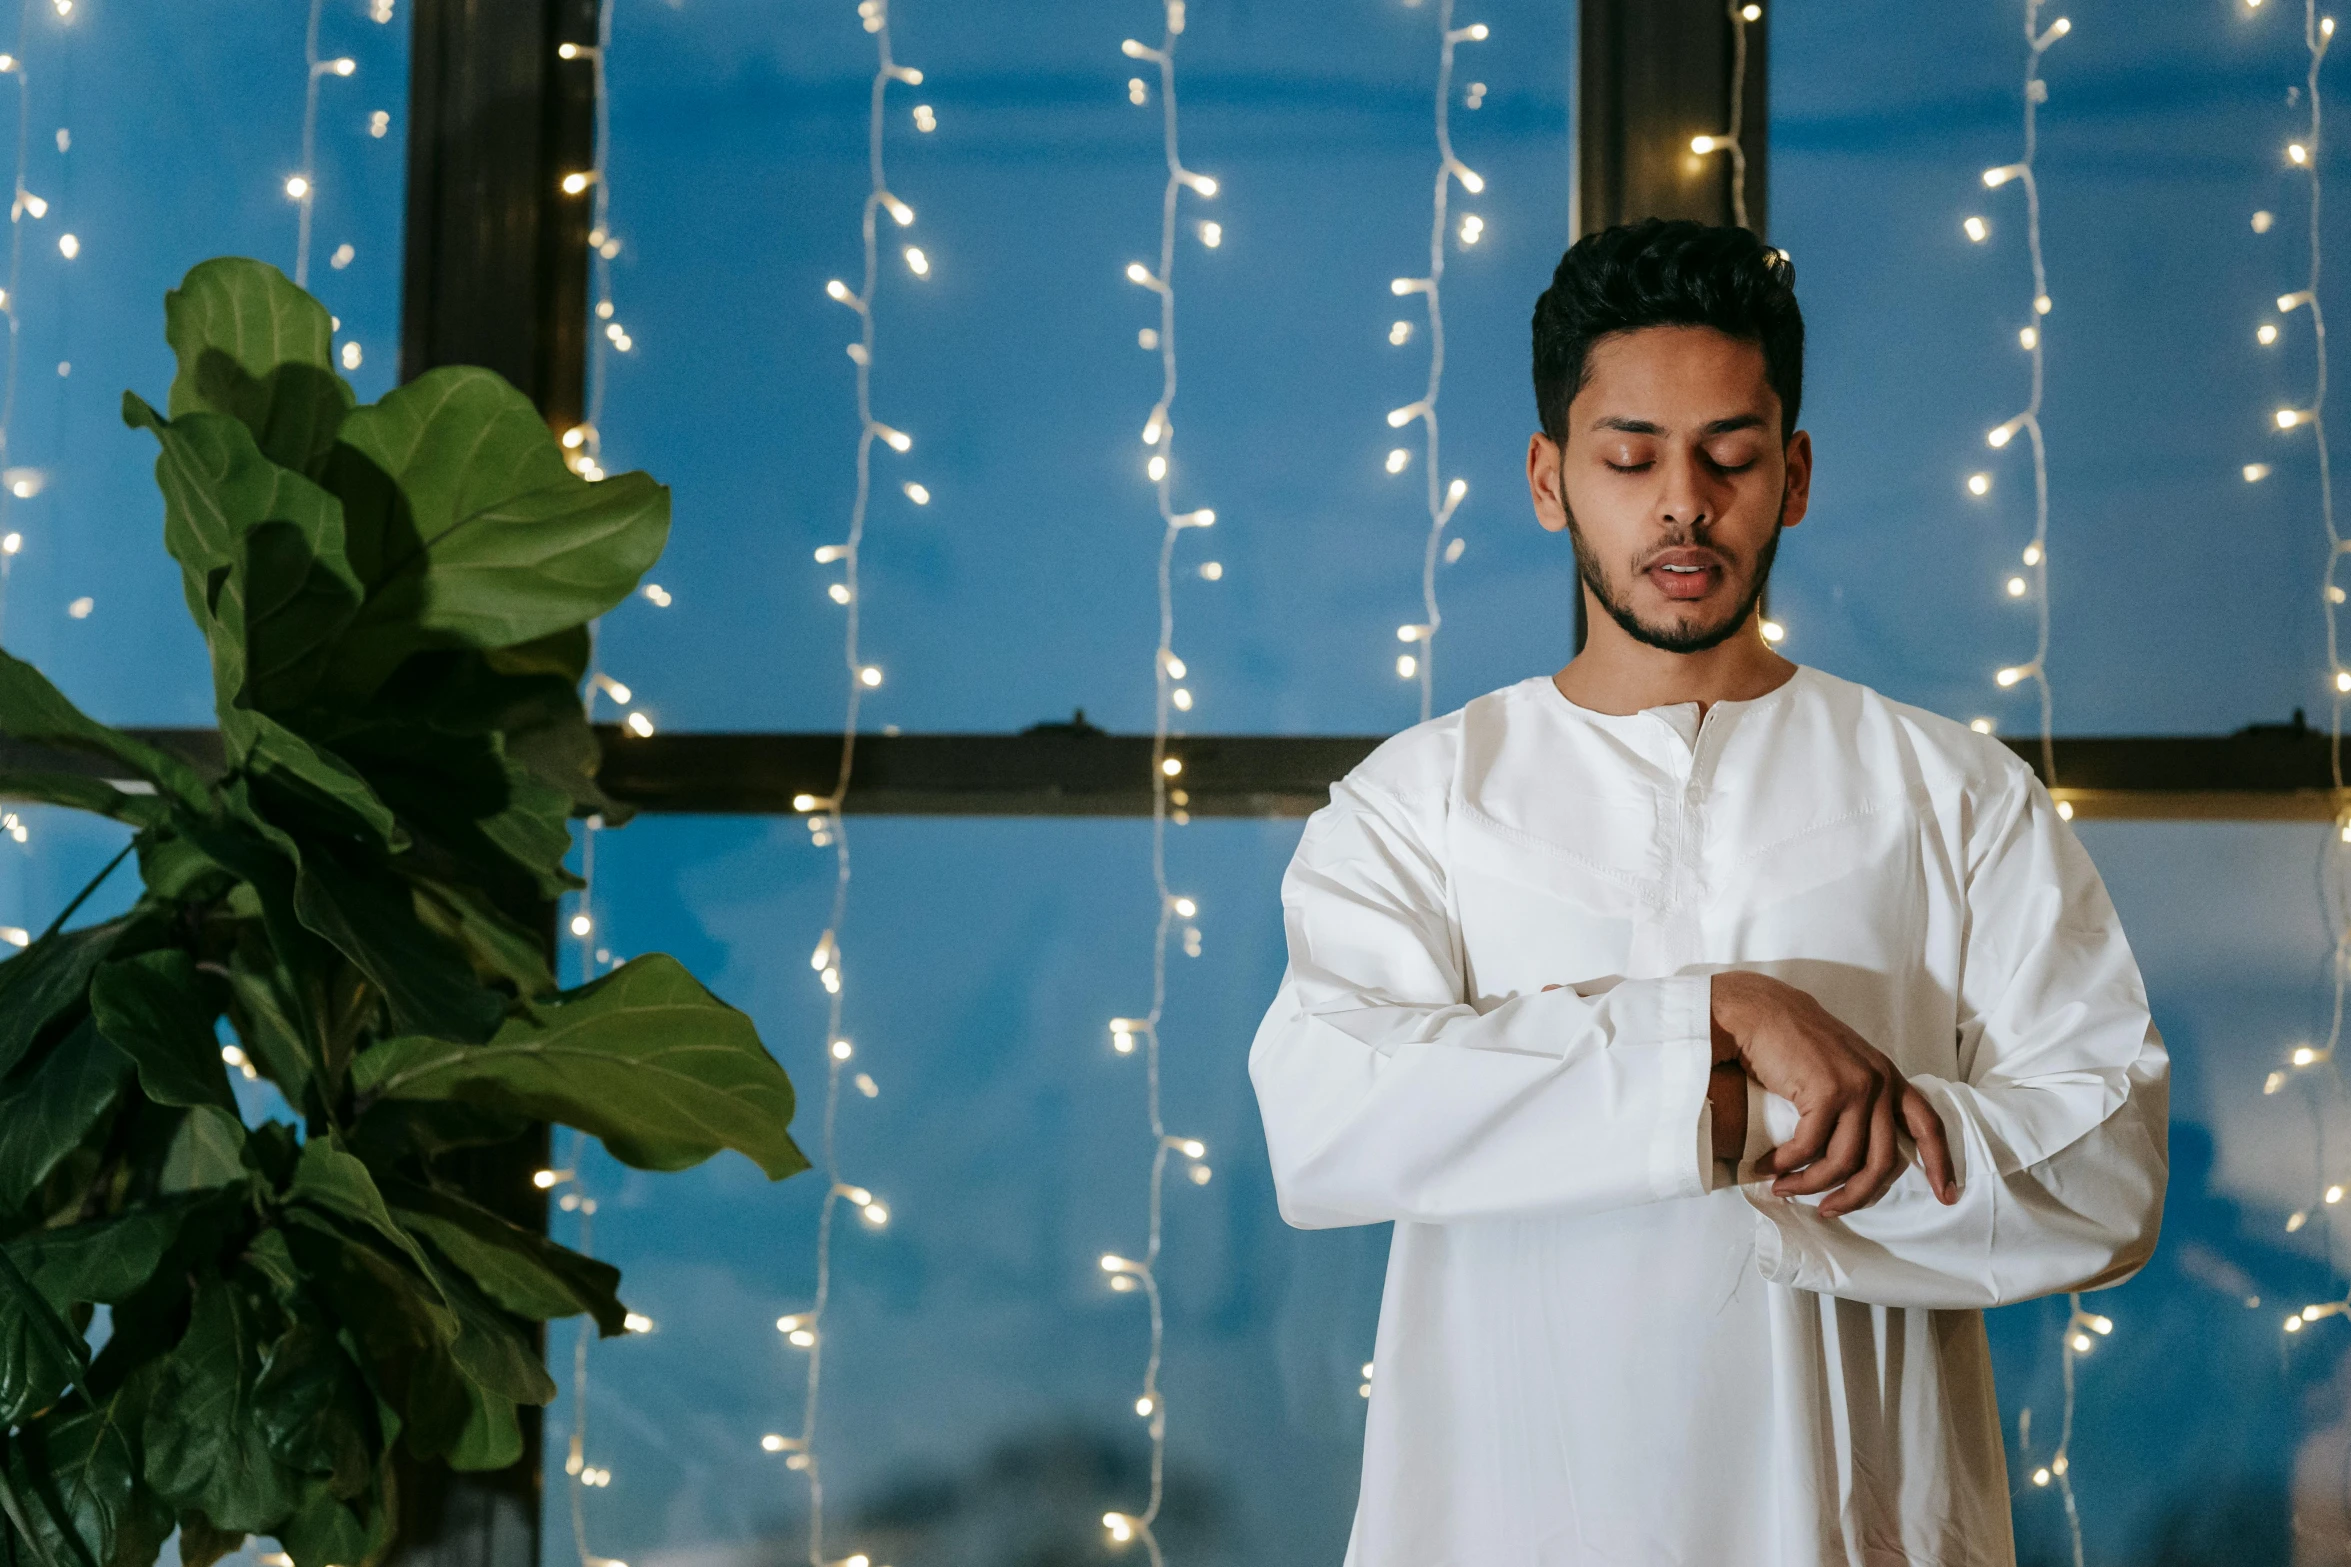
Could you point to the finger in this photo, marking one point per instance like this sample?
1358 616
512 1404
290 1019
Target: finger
1934 1152
1878 1169
1847 1146
1805 1144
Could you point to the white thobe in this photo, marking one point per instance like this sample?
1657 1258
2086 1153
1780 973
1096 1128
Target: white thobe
1596 1344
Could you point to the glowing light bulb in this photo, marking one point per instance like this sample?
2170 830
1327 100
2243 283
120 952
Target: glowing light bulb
1979 484
2032 554
1995 178
2009 677
869 677
772 1442
2288 418
2266 333
1397 459
1138 273
2001 434
1406 666
1774 632
1750 13
1982 726
1473 228
637 1322
1156 468
2016 587
2041 305
1706 144
2028 338
640 726
834 288
916 262
1172 766
1185 908
2296 153
1400 333
842 1050
2303 1056
581 924
1454 491
573 184
1977 229
296 187
1212 234
916 493
1175 666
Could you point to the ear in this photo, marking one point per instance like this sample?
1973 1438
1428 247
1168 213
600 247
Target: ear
1543 479
1798 494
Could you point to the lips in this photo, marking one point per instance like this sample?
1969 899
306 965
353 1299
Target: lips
1685 573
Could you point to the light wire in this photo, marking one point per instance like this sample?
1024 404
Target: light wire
1442 497
1128 1274
2076 1339
810 1330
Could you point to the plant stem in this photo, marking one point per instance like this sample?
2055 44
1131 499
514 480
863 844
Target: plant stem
83 896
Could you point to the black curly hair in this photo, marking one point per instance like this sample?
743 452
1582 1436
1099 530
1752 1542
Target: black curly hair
1666 273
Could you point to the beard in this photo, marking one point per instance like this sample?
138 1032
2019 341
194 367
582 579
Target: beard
1686 635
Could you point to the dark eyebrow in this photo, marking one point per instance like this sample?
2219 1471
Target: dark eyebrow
1647 427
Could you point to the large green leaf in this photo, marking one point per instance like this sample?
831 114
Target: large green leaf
310 781
218 487
339 1182
40 1356
520 1269
369 914
104 1260
325 1532
661 1070
255 347
314 1408
500 947
53 1108
154 1009
484 538
206 1151
404 1335
205 1444
42 984
78 1474
33 709
296 602
83 793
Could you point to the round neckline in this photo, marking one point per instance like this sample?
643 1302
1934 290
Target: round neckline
1596 716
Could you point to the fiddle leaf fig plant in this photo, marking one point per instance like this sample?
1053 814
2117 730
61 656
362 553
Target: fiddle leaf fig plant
302 1311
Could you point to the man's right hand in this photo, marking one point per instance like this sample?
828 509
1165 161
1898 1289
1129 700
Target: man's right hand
1849 1097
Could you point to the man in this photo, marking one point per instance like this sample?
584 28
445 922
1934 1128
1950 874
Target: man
1720 1035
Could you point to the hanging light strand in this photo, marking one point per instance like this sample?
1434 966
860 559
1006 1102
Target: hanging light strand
2028 423
1742 13
1129 1274
809 1330
2076 1340
302 185
2305 154
583 449
1443 498
22 205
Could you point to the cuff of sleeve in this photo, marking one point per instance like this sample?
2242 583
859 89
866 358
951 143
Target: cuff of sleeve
1681 1029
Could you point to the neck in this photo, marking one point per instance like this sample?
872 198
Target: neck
1617 673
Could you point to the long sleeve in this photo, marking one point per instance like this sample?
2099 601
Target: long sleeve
2056 1115
1386 1094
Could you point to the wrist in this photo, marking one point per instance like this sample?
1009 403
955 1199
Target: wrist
1730 1002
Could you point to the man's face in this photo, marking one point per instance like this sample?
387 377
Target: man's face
1673 482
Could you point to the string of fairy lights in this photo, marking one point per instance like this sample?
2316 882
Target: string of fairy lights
2082 1328
2305 154
1129 1274
302 184
1442 498
809 1330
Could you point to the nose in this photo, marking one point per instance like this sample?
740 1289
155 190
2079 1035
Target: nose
1681 504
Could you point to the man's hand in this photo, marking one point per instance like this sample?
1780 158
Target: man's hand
1848 1096
1726 1092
